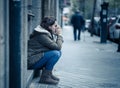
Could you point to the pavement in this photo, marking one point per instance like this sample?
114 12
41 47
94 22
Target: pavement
86 63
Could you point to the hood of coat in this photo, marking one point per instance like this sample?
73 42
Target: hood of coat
41 30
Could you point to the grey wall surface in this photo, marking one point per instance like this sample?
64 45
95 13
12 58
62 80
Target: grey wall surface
37 12
4 47
25 74
49 8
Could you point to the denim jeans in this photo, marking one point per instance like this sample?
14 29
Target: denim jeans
48 61
77 33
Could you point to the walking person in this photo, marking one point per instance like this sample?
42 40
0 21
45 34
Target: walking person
78 23
44 49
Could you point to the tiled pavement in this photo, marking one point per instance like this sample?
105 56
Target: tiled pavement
86 64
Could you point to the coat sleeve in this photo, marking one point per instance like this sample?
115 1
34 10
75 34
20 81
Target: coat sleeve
48 42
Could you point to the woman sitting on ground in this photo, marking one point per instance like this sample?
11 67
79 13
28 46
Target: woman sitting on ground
44 49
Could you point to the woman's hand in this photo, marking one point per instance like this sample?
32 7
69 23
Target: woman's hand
58 30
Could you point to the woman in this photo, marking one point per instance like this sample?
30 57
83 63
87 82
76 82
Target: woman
44 48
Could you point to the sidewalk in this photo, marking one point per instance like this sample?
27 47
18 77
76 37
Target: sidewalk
86 63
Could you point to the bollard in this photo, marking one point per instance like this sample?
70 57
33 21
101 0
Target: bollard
103 17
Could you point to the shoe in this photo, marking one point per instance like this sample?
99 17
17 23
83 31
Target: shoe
46 78
54 77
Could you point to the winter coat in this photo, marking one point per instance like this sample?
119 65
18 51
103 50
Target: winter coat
41 41
77 21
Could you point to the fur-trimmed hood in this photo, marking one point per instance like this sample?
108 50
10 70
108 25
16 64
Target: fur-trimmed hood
40 29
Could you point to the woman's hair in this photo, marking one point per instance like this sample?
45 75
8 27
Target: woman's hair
47 21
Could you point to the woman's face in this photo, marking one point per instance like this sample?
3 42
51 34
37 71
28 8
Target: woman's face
53 27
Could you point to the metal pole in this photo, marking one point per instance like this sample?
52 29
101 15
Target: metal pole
119 44
14 43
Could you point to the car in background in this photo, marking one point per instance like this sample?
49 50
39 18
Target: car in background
87 24
114 29
96 26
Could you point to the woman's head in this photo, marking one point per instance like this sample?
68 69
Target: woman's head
47 22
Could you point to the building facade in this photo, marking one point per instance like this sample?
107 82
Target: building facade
17 21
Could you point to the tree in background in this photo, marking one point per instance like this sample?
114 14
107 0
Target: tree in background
85 6
114 7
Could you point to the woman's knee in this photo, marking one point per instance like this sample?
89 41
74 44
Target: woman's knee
56 53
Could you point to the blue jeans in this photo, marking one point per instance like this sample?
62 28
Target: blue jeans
48 61
77 33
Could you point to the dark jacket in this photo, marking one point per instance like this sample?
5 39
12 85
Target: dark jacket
41 41
77 20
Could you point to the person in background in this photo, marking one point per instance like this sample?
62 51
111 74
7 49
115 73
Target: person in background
78 23
44 49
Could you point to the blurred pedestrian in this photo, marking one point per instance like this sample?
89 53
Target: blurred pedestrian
78 24
44 49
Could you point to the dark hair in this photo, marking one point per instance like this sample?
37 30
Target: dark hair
47 21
